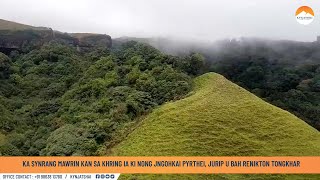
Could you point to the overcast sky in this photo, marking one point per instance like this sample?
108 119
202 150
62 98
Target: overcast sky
195 19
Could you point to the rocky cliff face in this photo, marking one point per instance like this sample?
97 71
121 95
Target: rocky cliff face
87 40
23 40
101 40
26 40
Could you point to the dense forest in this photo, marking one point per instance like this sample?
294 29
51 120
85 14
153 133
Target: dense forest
57 101
284 73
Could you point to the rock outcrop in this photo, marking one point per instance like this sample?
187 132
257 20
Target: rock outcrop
88 40
23 40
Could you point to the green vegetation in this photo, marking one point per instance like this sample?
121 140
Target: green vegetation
55 100
131 99
293 88
2 139
220 118
283 73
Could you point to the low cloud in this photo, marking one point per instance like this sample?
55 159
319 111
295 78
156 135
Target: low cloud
193 19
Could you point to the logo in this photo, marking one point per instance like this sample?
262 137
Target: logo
304 15
105 176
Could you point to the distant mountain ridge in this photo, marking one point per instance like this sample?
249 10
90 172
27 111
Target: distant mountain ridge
21 37
10 25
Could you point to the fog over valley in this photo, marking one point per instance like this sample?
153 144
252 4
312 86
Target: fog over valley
205 20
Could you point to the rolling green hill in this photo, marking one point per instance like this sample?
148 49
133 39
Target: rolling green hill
220 118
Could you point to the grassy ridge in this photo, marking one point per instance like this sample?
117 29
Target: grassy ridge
9 25
220 118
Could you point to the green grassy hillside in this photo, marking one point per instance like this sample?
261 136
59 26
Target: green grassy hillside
220 118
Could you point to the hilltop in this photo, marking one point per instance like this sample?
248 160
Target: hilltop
10 25
219 118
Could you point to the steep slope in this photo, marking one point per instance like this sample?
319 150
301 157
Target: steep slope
91 39
220 119
9 25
